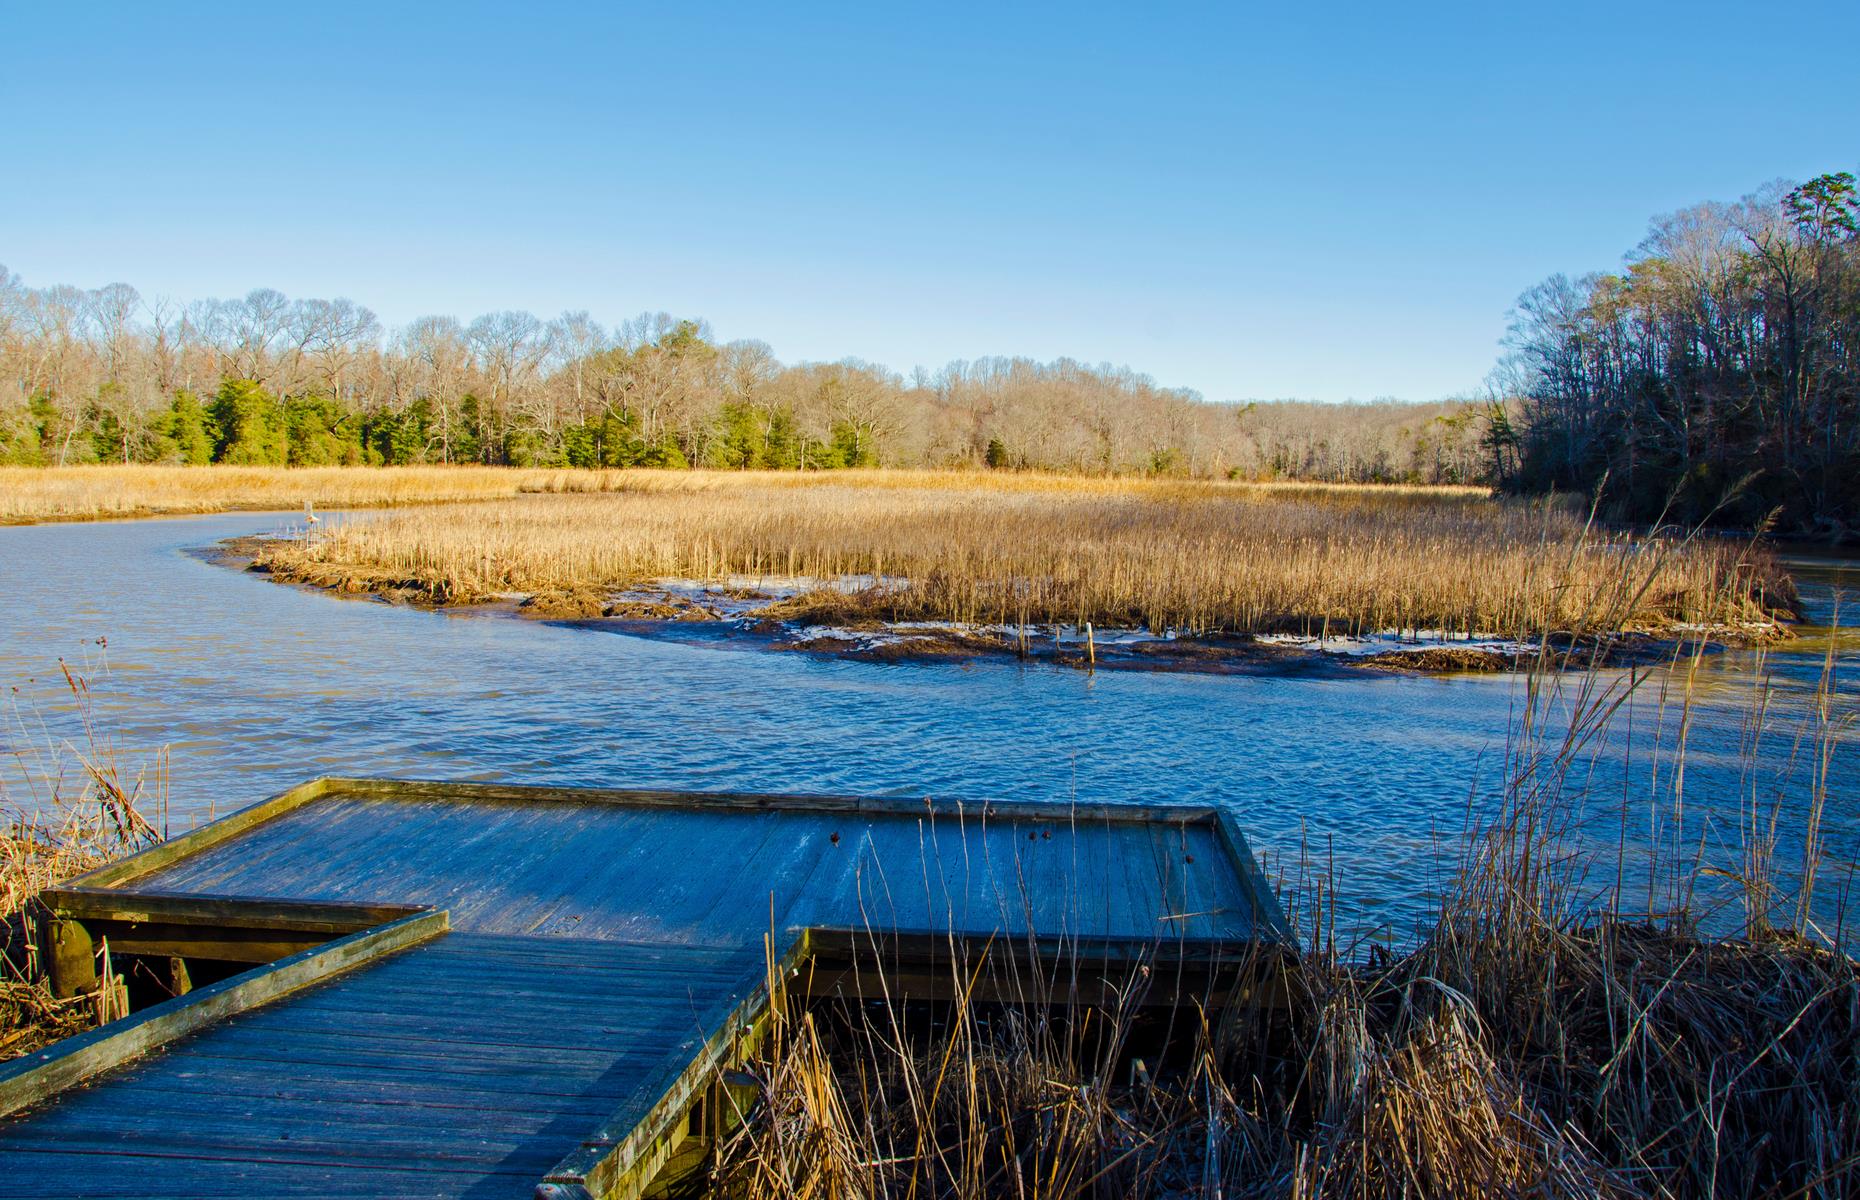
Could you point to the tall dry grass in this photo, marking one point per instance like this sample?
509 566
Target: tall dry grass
1198 558
29 494
1538 1041
68 807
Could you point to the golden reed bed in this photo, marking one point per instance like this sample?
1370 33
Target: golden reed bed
85 493
29 494
1193 557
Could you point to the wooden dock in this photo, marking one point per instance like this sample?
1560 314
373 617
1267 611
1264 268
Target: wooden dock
451 990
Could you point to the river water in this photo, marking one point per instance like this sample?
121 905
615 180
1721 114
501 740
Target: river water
254 686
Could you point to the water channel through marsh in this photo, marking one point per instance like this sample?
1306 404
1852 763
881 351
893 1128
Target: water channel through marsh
255 686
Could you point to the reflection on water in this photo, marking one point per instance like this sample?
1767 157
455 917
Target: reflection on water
257 686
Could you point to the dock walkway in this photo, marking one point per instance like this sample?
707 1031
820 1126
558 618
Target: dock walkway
395 1081
534 987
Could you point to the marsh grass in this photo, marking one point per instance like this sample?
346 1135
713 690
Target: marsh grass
1543 1036
1180 557
29 494
69 806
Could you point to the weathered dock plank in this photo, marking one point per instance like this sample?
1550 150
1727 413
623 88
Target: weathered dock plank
32 1077
611 871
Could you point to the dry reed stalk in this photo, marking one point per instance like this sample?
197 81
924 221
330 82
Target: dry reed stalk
69 808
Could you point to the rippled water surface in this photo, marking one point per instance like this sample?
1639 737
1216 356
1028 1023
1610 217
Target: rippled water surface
257 686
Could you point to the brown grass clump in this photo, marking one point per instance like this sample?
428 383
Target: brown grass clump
1196 558
1724 1071
68 809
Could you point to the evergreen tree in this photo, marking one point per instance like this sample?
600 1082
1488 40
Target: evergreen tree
249 429
186 430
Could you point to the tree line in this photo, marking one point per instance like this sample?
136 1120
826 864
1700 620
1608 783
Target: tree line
1713 379
1716 378
104 375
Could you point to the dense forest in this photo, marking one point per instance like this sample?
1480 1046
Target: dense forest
1716 378
105 375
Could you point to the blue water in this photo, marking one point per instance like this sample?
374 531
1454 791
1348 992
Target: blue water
254 686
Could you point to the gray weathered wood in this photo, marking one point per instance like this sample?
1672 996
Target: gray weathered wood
33 1077
598 979
1265 905
226 912
618 1160
800 802
211 834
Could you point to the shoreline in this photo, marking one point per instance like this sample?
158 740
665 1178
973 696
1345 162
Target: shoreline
770 616
565 480
181 512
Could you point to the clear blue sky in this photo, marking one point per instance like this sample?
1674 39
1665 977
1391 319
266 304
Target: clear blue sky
1254 201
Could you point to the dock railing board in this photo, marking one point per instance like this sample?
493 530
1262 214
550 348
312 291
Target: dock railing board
1187 953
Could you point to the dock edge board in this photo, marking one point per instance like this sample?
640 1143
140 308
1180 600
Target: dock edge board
621 1159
